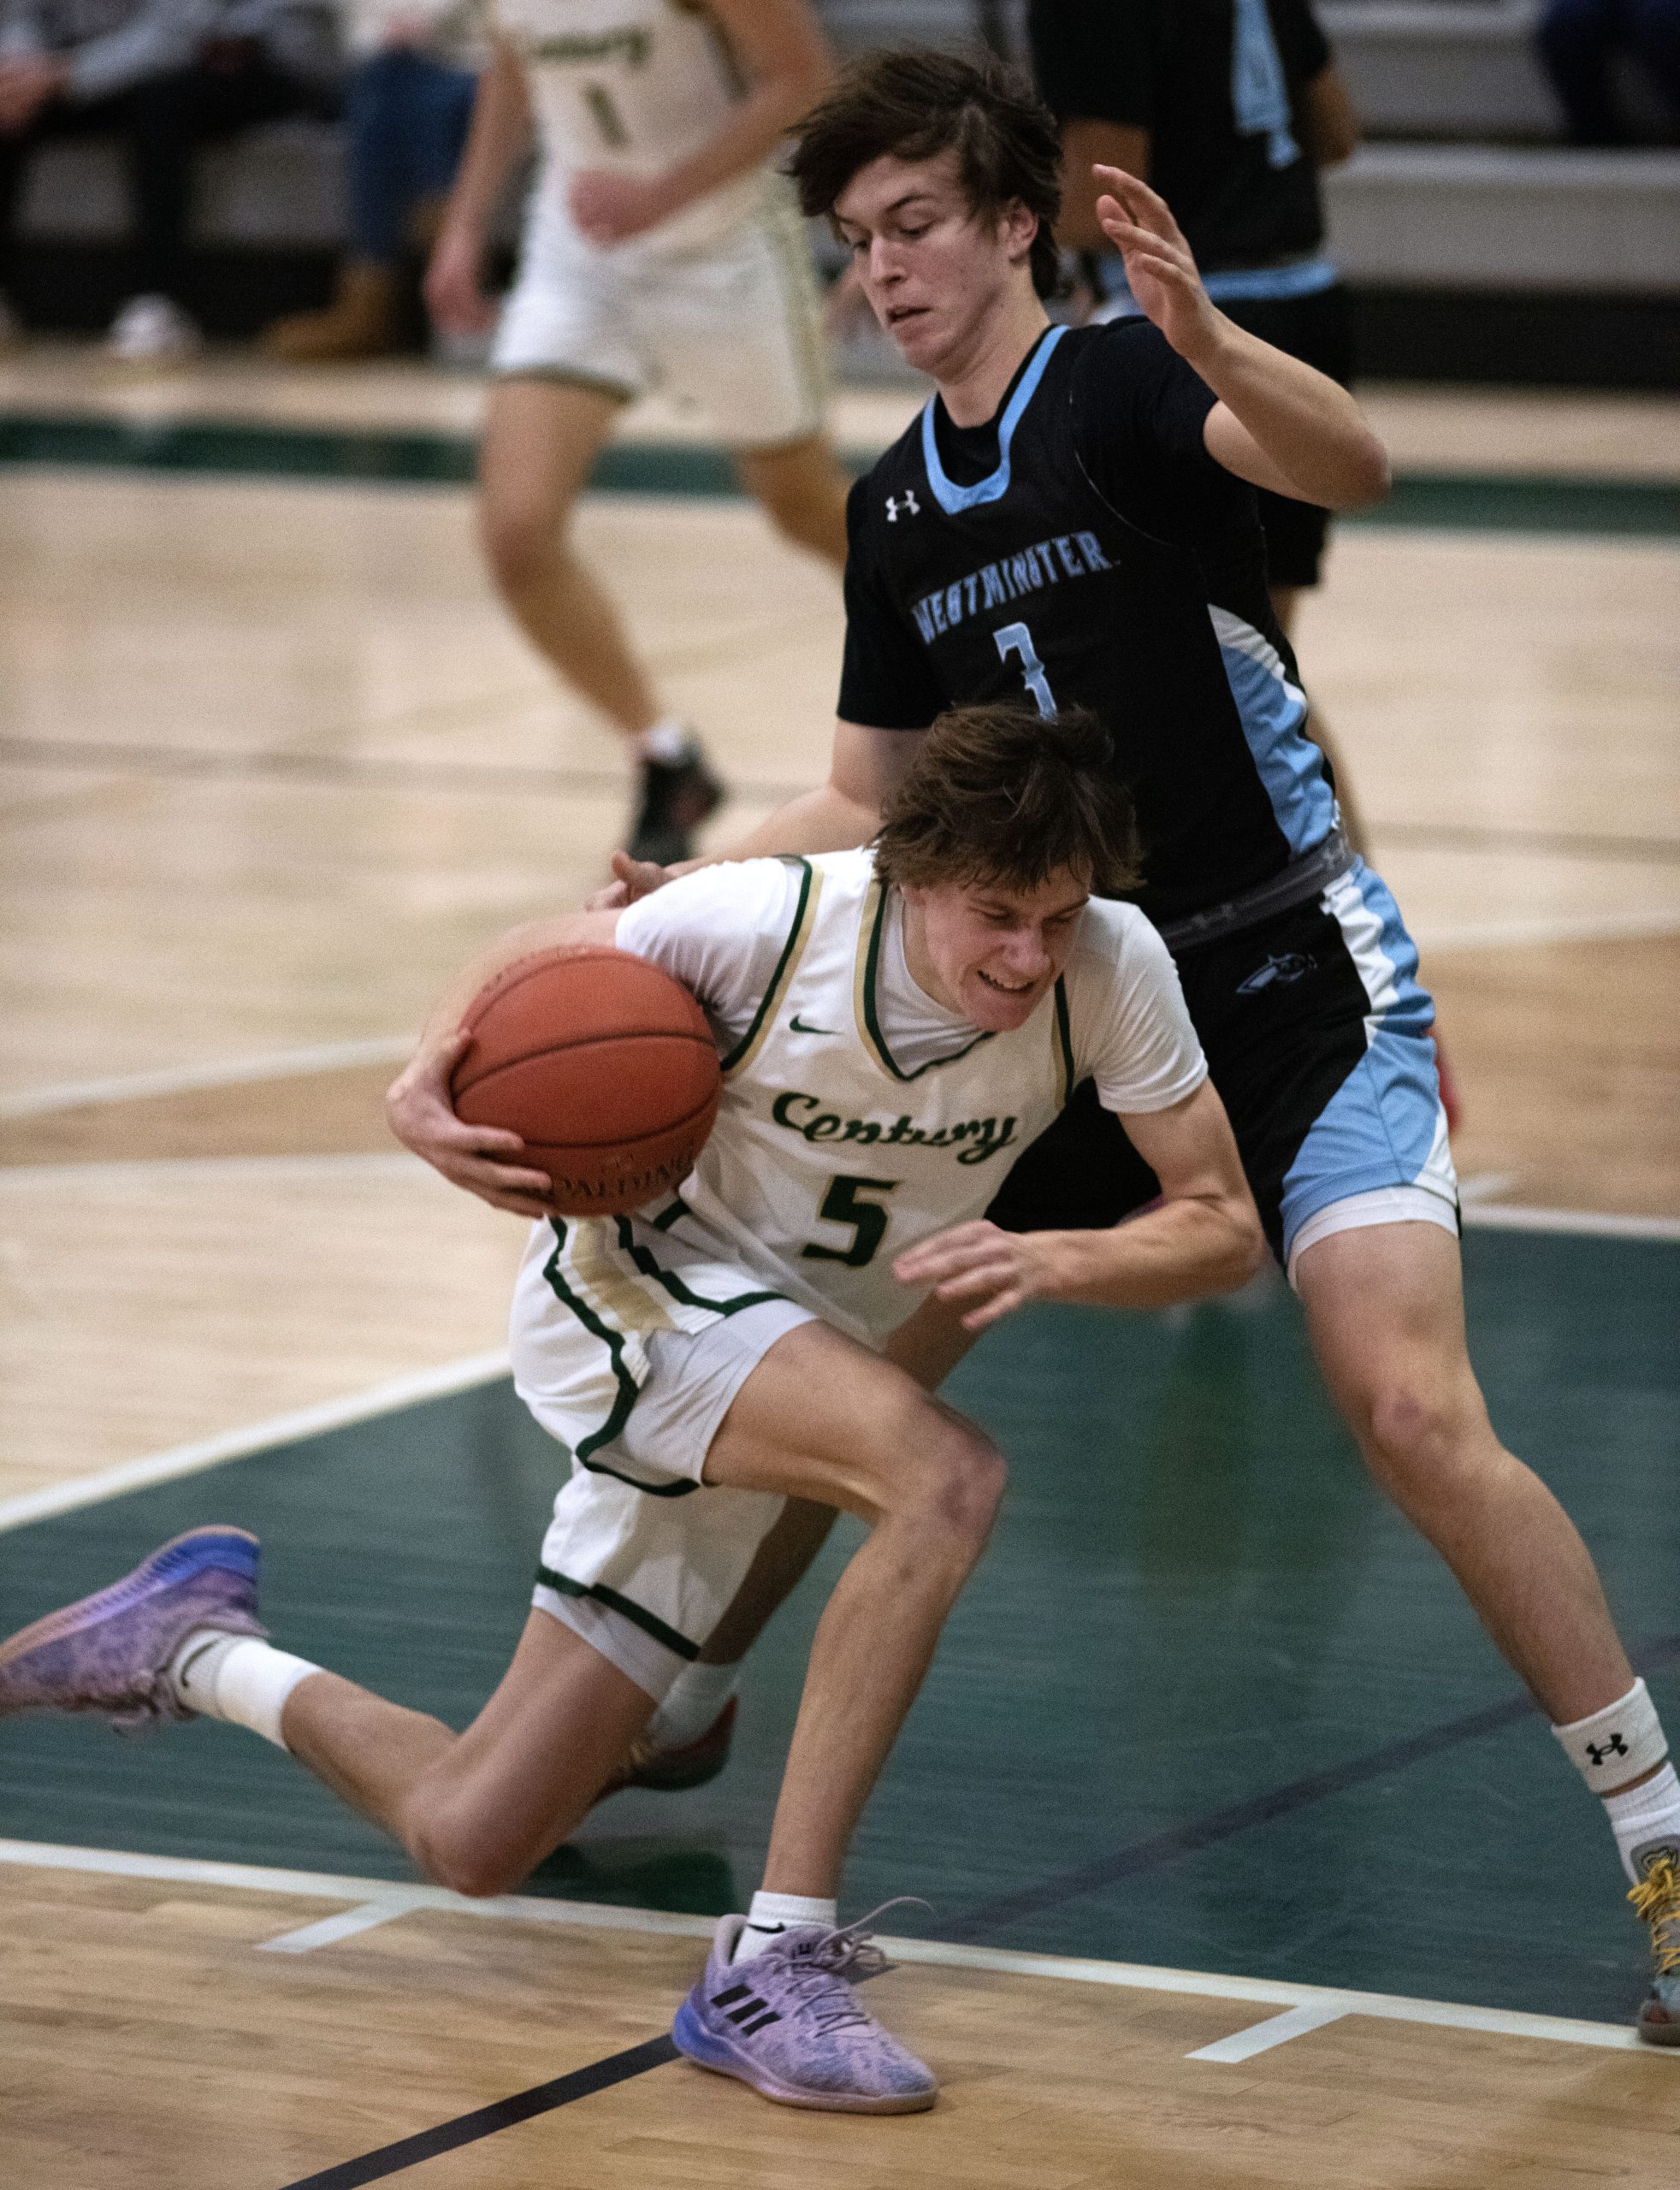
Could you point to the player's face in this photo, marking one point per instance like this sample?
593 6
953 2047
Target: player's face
932 269
990 952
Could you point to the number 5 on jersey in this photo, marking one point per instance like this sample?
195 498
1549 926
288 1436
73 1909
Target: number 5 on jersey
868 1219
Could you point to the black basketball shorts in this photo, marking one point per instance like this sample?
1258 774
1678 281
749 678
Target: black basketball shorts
1317 1038
1318 329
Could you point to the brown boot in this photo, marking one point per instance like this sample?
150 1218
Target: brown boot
361 322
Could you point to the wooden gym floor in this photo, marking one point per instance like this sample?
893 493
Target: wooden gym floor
274 762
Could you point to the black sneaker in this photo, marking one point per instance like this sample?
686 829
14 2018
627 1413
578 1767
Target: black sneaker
677 796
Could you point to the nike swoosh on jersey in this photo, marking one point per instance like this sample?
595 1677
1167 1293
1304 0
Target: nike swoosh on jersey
798 1027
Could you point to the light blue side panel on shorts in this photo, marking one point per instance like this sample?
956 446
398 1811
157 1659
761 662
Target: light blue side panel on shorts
1272 710
1384 1126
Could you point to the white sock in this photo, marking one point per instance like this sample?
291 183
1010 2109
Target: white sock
238 1679
668 741
1644 1813
772 1914
691 1704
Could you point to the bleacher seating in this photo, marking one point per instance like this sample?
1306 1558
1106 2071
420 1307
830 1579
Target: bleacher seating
1456 190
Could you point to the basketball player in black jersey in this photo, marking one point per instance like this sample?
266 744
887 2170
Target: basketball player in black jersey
1070 520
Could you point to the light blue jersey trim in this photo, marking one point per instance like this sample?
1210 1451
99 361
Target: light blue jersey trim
952 499
1259 88
1383 1126
1272 712
1302 277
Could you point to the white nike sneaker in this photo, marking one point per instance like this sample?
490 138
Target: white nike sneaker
153 331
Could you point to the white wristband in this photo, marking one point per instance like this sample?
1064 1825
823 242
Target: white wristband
1618 1743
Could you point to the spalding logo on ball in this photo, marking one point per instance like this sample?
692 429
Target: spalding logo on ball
602 1064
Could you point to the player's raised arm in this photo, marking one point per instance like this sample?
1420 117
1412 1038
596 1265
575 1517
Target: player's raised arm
1202 1237
1278 424
418 1105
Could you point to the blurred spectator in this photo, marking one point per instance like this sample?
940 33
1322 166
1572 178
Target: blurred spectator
1230 109
407 105
1581 41
162 77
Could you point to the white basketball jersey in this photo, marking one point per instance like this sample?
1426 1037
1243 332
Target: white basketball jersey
635 85
828 1159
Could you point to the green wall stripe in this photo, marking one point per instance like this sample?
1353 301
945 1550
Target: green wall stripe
1455 501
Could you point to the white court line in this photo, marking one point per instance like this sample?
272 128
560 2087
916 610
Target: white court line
1513 1217
231 1072
254 1437
1328 2003
1277 2030
1544 927
344 1926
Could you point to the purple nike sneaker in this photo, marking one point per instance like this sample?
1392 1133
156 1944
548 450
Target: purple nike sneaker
110 1652
789 2023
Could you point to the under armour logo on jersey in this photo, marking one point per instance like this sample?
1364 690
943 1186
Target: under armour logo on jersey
1614 1747
907 502
1277 972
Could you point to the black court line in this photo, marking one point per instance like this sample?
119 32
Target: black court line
987 1916
295 767
485 2121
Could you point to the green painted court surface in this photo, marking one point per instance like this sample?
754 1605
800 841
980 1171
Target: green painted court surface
1208 1702
237 448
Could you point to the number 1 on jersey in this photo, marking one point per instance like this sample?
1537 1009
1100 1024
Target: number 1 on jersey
1015 638
608 118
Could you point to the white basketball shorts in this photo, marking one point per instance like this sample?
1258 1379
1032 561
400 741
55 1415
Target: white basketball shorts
631 1359
731 330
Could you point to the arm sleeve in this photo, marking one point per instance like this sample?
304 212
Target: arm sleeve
886 683
721 932
1092 59
1141 1048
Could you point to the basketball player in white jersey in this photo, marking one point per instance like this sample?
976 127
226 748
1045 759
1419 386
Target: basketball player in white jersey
893 1024
659 249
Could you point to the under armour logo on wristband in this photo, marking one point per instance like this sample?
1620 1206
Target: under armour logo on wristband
1614 1747
907 503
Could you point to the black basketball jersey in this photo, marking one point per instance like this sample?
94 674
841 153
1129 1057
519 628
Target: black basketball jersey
1028 584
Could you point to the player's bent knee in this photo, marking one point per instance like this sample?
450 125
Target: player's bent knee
519 545
456 1852
1416 1434
958 1488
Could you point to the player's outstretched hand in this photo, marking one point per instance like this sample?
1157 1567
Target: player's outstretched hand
480 1158
989 1270
1160 268
636 877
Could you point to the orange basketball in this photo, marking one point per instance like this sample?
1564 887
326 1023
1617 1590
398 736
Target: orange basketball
603 1065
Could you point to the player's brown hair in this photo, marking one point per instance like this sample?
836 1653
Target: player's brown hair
914 102
1001 795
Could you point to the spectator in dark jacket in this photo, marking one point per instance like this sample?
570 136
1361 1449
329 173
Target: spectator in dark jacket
162 77
407 105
